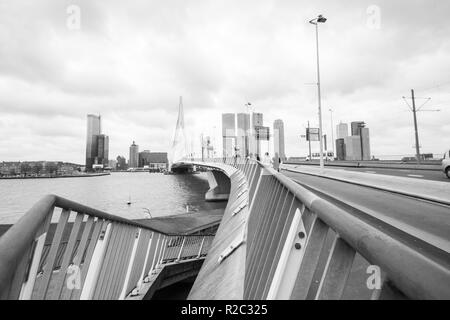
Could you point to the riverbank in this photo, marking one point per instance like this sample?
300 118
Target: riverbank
63 176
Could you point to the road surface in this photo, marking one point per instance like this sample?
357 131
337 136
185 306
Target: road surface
425 220
407 173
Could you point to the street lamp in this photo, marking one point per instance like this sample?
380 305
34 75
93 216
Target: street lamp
316 21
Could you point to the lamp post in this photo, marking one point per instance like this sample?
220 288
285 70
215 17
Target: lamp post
316 21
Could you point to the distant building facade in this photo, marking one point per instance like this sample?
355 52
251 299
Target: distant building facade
278 138
255 141
134 156
355 126
97 144
352 148
341 131
153 160
340 149
243 134
38 168
121 163
228 134
93 130
102 150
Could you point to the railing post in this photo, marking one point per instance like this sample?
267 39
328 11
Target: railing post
201 247
141 278
155 256
27 287
130 264
163 250
181 249
95 265
290 260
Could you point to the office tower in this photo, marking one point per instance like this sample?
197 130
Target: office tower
255 142
352 148
340 149
153 160
93 130
102 149
121 163
341 131
365 143
134 156
143 158
278 138
243 134
228 134
257 119
355 125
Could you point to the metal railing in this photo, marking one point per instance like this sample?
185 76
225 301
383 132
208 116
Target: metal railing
86 254
301 246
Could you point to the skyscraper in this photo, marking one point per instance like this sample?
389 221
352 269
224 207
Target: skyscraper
134 156
102 149
93 130
365 143
278 138
352 148
255 143
355 125
243 133
341 131
228 133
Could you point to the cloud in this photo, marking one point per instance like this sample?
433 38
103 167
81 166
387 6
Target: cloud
130 62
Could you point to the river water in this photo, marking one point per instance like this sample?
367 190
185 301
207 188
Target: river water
161 194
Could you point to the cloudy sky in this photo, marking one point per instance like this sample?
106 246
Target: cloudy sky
131 60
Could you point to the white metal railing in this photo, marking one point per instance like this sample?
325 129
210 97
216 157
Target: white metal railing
85 254
300 246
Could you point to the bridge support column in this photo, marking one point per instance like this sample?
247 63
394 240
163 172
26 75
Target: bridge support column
219 186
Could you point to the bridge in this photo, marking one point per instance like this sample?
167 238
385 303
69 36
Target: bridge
280 238
301 233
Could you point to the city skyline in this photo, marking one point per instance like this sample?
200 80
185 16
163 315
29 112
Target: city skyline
218 60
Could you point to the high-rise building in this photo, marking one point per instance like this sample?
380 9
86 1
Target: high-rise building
278 138
228 134
340 149
134 156
341 131
121 163
257 119
352 148
255 143
102 150
365 143
357 146
356 125
243 134
93 130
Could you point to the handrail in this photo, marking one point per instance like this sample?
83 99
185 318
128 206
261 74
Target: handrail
411 267
96 244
